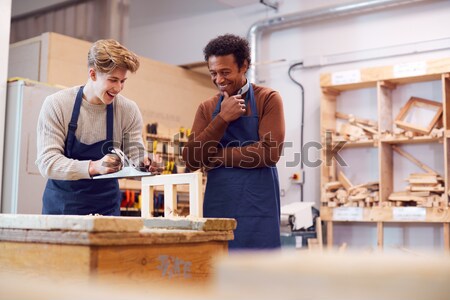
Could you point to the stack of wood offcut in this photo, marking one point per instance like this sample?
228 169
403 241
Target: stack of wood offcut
399 133
344 193
355 129
424 190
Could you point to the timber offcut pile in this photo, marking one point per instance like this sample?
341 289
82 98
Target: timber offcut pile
344 193
355 129
423 190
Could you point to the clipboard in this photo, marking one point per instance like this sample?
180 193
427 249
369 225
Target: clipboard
130 170
126 172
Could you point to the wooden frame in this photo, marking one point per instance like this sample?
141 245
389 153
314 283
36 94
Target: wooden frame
408 117
170 182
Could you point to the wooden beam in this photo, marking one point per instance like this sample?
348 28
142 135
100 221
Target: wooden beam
414 160
387 84
344 180
329 235
380 235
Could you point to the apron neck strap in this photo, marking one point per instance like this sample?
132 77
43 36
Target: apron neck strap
74 120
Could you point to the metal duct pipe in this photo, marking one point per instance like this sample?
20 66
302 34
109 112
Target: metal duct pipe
321 14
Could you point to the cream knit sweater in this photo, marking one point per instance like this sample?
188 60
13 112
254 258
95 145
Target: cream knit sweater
52 128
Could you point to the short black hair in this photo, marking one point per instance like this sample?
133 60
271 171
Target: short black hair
228 44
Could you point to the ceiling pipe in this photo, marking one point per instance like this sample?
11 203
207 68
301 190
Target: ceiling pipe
287 21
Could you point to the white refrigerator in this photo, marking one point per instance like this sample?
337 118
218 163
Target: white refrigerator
23 185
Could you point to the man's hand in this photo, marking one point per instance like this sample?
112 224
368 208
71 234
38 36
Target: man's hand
107 164
232 107
153 166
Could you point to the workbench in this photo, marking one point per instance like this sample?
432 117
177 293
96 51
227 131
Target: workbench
87 248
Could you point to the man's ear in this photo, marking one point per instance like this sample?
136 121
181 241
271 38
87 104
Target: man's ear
244 66
92 74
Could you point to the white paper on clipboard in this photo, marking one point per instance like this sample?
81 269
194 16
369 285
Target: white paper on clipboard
124 173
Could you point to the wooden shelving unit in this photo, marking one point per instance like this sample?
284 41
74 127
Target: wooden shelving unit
382 91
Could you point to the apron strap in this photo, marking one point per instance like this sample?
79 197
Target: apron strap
74 120
73 123
108 146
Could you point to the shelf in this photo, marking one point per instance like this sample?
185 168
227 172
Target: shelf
369 77
385 214
162 138
415 140
359 144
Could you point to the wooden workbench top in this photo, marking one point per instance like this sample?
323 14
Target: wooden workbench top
102 230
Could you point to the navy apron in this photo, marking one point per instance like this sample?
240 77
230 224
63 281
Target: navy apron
251 196
85 196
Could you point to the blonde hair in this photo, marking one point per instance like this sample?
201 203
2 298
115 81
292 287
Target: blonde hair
107 55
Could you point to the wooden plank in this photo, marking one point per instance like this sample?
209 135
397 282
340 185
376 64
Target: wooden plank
385 120
367 122
414 140
188 223
344 180
413 159
363 185
71 223
385 162
329 234
380 235
446 122
145 236
319 232
367 128
333 185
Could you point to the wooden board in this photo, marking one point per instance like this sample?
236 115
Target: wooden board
71 223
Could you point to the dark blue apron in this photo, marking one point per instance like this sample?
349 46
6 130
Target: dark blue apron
85 196
251 196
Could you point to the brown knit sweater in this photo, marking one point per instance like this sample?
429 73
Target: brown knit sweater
201 150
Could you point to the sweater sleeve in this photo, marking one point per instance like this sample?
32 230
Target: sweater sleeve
265 152
132 134
51 137
204 138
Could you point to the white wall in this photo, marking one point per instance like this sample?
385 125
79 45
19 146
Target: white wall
182 41
5 22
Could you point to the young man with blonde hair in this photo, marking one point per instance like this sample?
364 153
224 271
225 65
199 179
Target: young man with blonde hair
77 128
